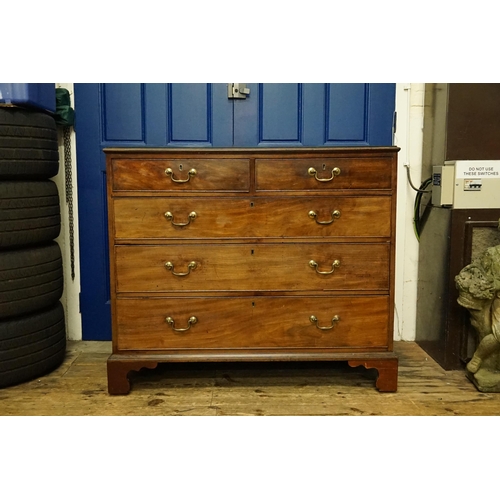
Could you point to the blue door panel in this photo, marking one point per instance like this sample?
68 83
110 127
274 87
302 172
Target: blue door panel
308 114
346 108
282 119
189 113
155 106
201 115
177 115
381 104
198 114
123 115
314 114
279 115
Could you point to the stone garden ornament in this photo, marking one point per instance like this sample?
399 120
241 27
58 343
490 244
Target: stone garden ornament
479 292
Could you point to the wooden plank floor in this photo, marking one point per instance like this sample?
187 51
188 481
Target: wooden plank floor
79 387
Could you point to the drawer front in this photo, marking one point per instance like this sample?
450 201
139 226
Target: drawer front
266 267
258 322
181 175
252 218
320 174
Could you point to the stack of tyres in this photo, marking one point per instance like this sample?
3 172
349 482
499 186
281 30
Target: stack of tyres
32 325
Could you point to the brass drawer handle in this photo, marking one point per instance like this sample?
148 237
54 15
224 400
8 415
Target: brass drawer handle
192 265
335 215
314 265
169 216
169 172
191 321
335 172
314 320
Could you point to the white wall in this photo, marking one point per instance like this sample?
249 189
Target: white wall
409 136
70 298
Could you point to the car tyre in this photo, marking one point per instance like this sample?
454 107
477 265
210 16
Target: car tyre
31 345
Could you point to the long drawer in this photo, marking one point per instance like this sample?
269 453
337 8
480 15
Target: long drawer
323 173
197 218
256 322
181 174
266 267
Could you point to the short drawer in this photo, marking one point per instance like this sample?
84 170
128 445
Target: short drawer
266 267
319 174
210 174
257 322
199 218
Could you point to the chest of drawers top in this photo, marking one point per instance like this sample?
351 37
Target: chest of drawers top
144 171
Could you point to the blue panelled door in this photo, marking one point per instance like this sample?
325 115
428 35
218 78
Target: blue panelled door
202 115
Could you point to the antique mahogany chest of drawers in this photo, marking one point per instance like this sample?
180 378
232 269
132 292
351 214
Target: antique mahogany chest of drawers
252 255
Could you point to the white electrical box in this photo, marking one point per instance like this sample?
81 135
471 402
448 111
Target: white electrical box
467 184
443 179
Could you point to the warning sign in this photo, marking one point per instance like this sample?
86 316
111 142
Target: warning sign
468 171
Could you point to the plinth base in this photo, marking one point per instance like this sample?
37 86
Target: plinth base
120 365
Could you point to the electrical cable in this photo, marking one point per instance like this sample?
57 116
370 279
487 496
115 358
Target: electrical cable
417 217
407 166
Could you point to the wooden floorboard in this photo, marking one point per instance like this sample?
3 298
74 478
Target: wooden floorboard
79 387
